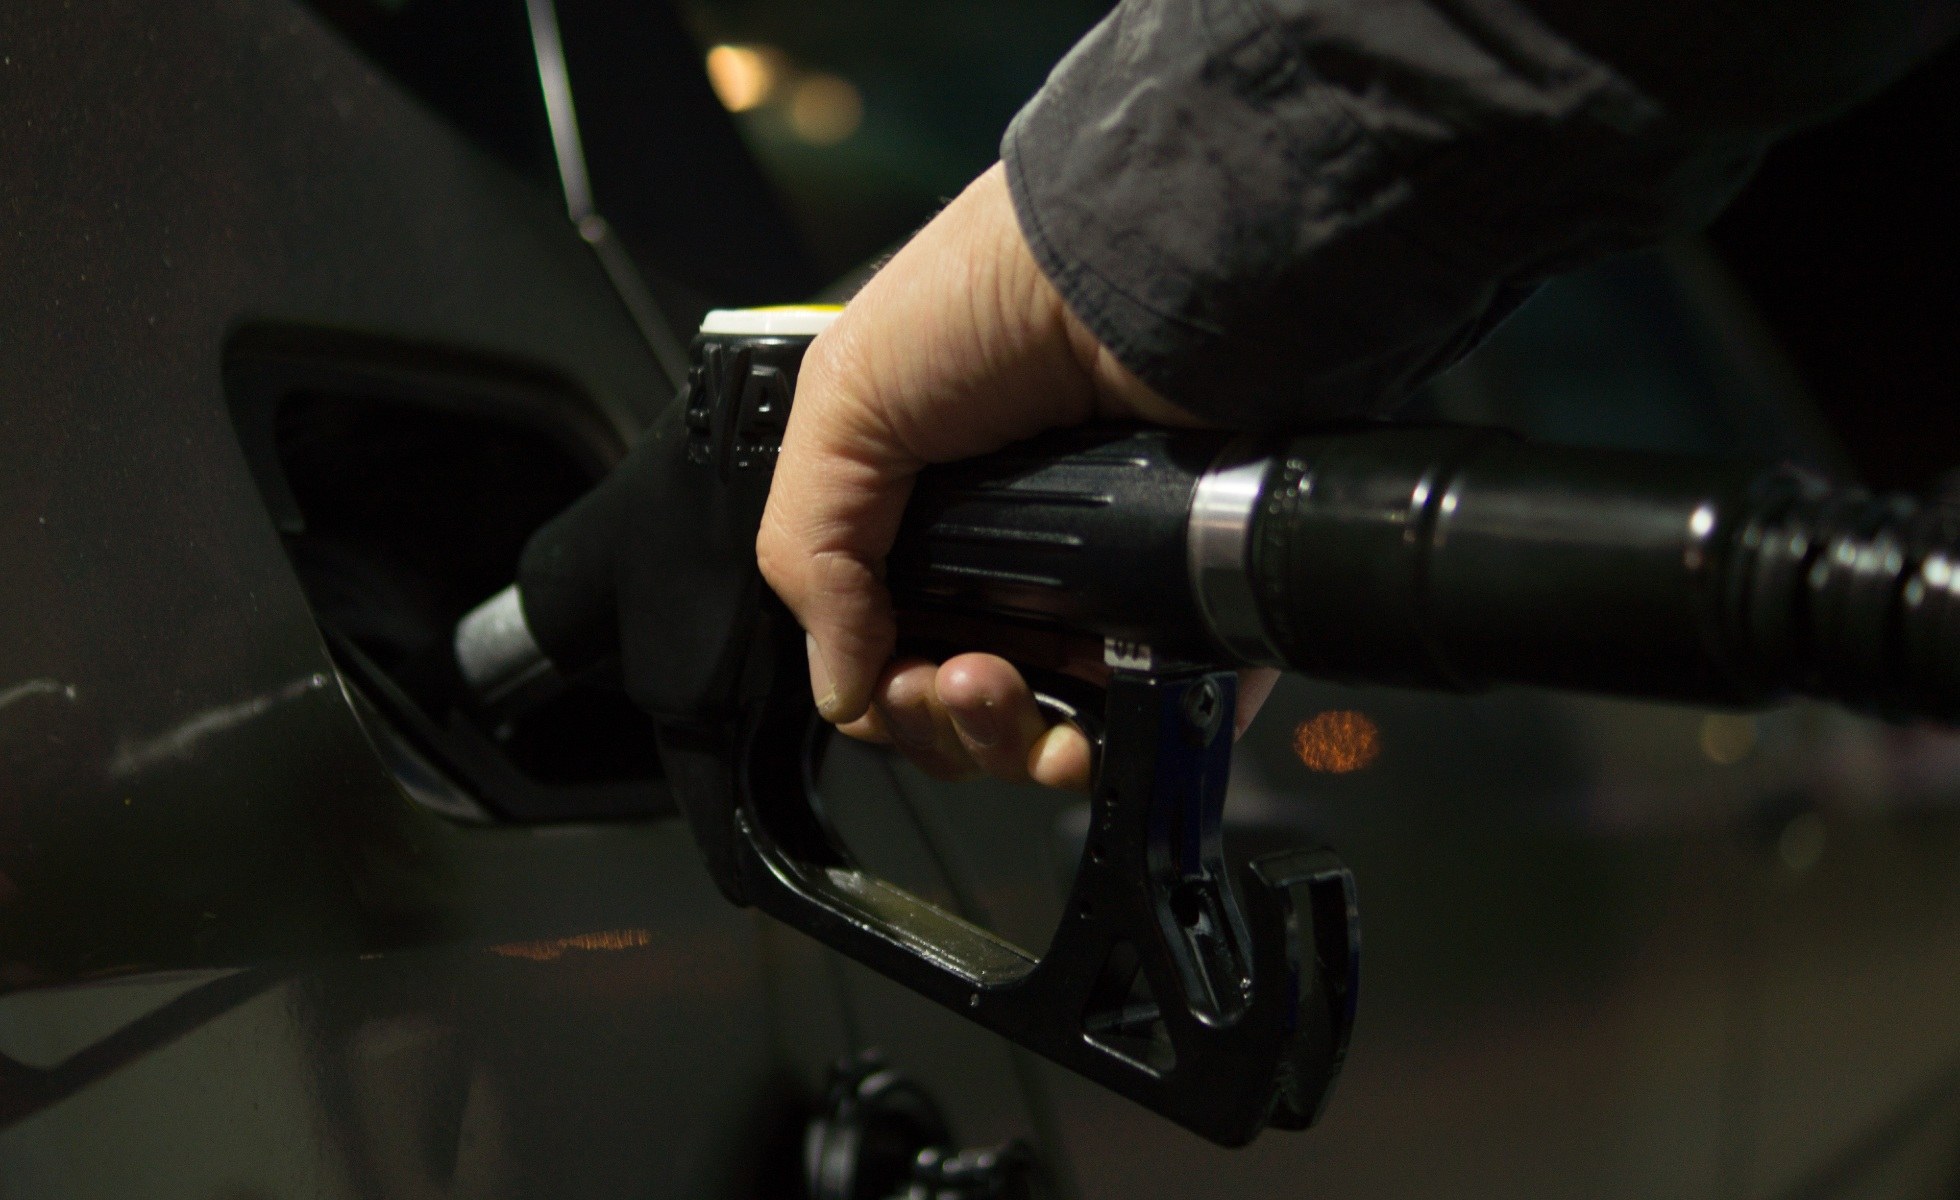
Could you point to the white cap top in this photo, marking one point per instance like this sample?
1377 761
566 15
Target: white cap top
788 320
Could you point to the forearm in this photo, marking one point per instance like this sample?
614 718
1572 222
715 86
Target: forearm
1306 207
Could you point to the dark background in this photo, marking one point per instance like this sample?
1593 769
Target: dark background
1846 241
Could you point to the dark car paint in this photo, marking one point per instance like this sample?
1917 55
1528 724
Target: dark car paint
185 785
160 200
238 961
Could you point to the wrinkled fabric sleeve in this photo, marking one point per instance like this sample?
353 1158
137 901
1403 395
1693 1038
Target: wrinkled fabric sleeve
1275 210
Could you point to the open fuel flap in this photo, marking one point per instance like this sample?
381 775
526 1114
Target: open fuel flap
403 480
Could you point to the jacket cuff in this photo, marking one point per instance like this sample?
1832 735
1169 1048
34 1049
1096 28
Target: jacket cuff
1283 210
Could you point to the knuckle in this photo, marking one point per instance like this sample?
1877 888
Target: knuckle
831 374
776 557
831 358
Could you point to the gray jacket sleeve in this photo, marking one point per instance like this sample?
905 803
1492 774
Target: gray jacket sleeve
1278 209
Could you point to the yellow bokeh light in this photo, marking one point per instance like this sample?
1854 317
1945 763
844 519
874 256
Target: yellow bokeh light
744 76
1726 738
1337 742
825 109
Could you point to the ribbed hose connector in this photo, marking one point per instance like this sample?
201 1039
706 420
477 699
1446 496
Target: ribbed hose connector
1842 594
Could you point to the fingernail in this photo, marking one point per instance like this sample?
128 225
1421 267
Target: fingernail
821 686
1053 750
982 728
911 724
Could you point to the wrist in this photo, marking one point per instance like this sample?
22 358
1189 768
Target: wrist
1026 289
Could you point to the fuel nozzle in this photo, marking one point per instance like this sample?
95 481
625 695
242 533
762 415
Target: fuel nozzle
1220 995
1431 556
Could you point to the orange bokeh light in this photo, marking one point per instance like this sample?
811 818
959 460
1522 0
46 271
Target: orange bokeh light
825 109
1337 742
744 76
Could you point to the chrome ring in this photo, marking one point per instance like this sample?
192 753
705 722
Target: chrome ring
1218 542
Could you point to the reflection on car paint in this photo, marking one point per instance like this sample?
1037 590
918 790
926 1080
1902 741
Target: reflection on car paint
179 742
549 949
38 687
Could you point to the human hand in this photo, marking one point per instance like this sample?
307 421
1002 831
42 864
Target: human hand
958 347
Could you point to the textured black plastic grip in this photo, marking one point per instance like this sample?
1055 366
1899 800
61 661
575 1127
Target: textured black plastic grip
1083 529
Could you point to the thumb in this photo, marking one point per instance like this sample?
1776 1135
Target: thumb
834 507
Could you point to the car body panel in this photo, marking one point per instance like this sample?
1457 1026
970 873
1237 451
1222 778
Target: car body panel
183 782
